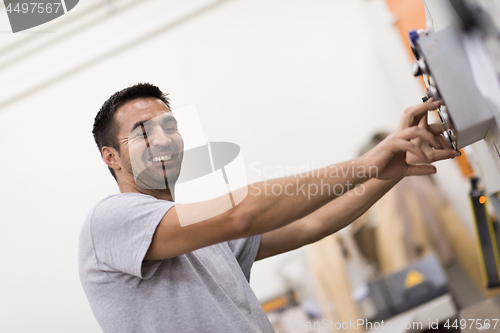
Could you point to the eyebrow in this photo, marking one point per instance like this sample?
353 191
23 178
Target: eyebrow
166 118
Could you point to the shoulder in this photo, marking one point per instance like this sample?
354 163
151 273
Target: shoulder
126 206
124 201
120 198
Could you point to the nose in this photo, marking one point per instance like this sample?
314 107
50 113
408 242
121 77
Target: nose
158 137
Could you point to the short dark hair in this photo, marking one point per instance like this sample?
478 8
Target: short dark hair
105 128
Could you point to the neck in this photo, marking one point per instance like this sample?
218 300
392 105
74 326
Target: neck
166 194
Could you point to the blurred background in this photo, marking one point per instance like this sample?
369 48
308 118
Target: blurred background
296 84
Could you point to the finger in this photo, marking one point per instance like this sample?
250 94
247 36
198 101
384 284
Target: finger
444 143
420 170
436 128
407 146
413 115
423 112
416 132
442 154
424 121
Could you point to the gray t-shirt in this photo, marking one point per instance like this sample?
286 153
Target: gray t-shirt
205 290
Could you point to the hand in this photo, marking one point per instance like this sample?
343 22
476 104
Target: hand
431 153
411 147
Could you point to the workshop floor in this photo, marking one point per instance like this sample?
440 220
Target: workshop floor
294 320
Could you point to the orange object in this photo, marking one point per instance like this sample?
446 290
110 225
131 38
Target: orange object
275 304
410 15
279 302
463 164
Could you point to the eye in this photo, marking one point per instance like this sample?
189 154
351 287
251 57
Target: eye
138 134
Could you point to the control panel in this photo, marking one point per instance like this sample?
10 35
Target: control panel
443 59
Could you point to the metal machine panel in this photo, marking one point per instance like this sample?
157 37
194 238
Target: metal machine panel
447 63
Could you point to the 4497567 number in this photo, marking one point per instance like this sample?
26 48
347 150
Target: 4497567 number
480 324
34 7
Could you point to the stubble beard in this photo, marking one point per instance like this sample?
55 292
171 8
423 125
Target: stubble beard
155 177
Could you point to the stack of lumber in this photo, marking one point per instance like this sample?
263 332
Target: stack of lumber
411 221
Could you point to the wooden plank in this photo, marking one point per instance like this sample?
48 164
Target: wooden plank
419 225
330 267
318 274
390 235
363 233
437 238
412 234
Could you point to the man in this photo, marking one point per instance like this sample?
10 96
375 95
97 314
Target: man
144 269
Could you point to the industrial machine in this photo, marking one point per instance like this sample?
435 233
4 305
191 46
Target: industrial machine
458 55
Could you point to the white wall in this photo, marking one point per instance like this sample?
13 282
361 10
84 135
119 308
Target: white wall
294 83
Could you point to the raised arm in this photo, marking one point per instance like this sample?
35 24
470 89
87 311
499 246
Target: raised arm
342 211
261 211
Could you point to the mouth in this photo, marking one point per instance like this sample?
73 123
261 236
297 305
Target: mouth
162 158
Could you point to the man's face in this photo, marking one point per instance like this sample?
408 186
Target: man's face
151 147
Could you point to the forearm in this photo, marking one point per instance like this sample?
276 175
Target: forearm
342 211
326 220
274 203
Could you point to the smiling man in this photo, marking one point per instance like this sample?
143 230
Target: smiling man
155 145
143 270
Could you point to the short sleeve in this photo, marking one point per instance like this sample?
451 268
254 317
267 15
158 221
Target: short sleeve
245 250
122 228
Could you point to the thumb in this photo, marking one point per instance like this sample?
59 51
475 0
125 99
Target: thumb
420 170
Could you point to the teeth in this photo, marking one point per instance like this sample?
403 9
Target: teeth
161 158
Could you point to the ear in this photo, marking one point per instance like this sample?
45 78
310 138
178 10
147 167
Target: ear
111 157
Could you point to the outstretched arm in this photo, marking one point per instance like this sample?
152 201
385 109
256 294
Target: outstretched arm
184 228
263 211
345 209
